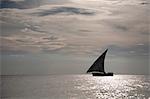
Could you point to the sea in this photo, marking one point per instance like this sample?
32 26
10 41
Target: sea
83 86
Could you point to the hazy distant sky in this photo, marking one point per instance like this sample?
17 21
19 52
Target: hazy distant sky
66 36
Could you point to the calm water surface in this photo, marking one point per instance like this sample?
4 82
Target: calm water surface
76 87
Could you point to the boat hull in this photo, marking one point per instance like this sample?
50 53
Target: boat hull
105 74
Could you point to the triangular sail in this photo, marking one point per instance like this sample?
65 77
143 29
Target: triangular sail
98 65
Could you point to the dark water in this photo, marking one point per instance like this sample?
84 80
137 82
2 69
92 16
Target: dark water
76 87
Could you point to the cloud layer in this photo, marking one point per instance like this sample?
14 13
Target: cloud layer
77 27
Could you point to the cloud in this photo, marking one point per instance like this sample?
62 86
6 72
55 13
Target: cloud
31 41
28 4
12 4
17 0
65 10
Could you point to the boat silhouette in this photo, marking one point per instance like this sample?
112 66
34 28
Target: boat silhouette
97 69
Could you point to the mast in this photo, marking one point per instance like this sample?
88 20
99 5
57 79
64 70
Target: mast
98 65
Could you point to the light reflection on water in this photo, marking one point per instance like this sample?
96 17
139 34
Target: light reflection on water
118 86
76 87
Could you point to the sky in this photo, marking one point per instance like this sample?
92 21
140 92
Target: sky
66 36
